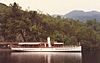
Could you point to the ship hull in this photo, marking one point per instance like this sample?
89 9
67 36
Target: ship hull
57 49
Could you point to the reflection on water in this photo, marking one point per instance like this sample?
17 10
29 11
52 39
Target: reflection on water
41 57
91 57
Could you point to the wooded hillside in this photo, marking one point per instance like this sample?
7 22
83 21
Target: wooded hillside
17 25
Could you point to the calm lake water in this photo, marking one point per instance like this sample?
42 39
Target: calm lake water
40 57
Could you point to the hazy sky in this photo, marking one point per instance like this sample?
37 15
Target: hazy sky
57 6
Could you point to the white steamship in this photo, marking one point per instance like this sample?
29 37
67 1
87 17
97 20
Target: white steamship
44 47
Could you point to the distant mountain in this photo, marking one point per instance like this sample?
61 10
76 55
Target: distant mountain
83 16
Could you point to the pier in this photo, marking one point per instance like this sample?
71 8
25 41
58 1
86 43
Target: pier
7 44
